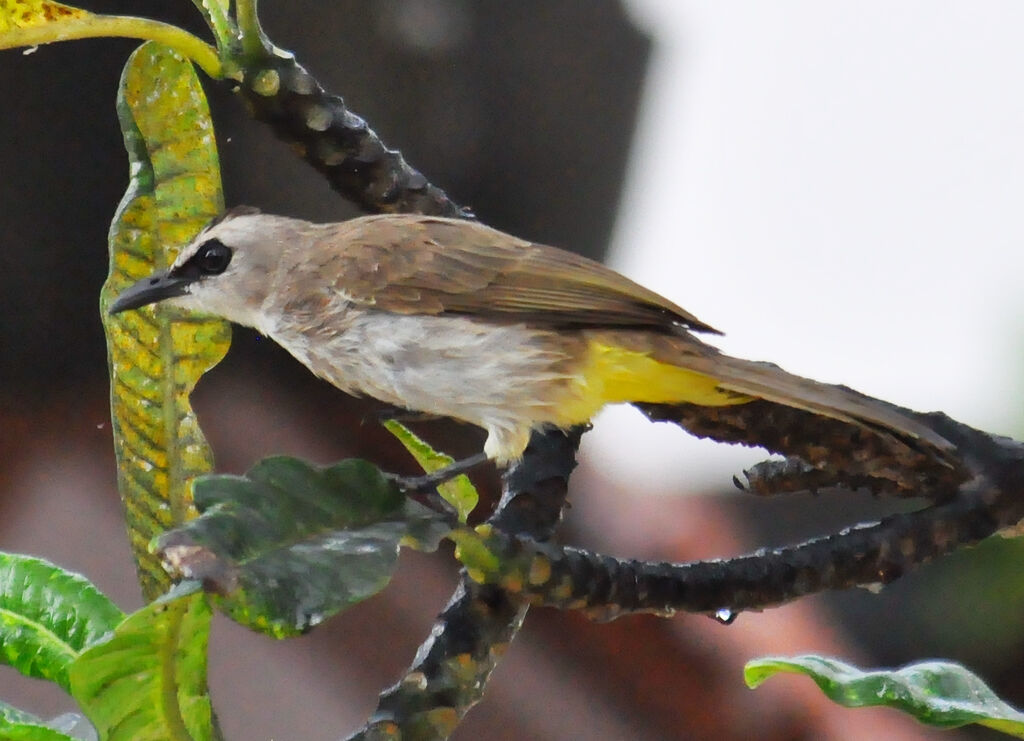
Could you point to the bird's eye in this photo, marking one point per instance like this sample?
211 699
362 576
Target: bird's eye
213 257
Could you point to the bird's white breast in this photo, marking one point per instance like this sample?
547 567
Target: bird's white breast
494 376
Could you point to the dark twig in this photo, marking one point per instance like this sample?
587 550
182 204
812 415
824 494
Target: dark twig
837 453
794 475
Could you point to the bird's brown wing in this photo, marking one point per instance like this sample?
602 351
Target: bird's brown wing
410 264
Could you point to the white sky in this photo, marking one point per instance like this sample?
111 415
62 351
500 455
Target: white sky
838 186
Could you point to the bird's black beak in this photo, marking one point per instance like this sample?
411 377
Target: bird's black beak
149 290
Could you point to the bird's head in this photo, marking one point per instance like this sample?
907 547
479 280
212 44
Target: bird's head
226 270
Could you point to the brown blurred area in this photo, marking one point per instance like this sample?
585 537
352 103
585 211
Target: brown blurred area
524 112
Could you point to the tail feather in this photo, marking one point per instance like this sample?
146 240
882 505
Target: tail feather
771 383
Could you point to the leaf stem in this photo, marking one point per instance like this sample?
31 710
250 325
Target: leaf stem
97 26
220 23
250 33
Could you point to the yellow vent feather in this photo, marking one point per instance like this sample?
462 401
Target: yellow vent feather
612 375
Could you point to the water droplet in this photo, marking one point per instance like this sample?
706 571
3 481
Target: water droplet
725 616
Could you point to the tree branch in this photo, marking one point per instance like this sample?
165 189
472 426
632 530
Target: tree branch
336 142
990 499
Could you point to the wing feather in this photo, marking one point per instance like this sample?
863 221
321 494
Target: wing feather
411 264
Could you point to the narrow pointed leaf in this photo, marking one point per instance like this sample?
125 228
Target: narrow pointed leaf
290 544
459 492
938 693
48 616
148 681
157 354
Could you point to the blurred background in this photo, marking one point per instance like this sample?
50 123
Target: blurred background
834 185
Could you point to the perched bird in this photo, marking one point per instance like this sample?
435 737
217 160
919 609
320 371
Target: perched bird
453 318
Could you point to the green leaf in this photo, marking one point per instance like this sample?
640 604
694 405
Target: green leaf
157 354
459 492
290 544
474 552
938 693
17 725
148 681
48 616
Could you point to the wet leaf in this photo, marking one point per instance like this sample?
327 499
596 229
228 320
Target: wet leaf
18 726
148 680
157 354
938 693
48 616
11 714
290 544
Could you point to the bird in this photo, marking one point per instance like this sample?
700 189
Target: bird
450 317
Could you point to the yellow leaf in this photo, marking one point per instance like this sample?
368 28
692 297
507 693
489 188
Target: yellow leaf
157 354
28 13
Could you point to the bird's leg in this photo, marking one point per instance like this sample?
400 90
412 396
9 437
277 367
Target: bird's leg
413 485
